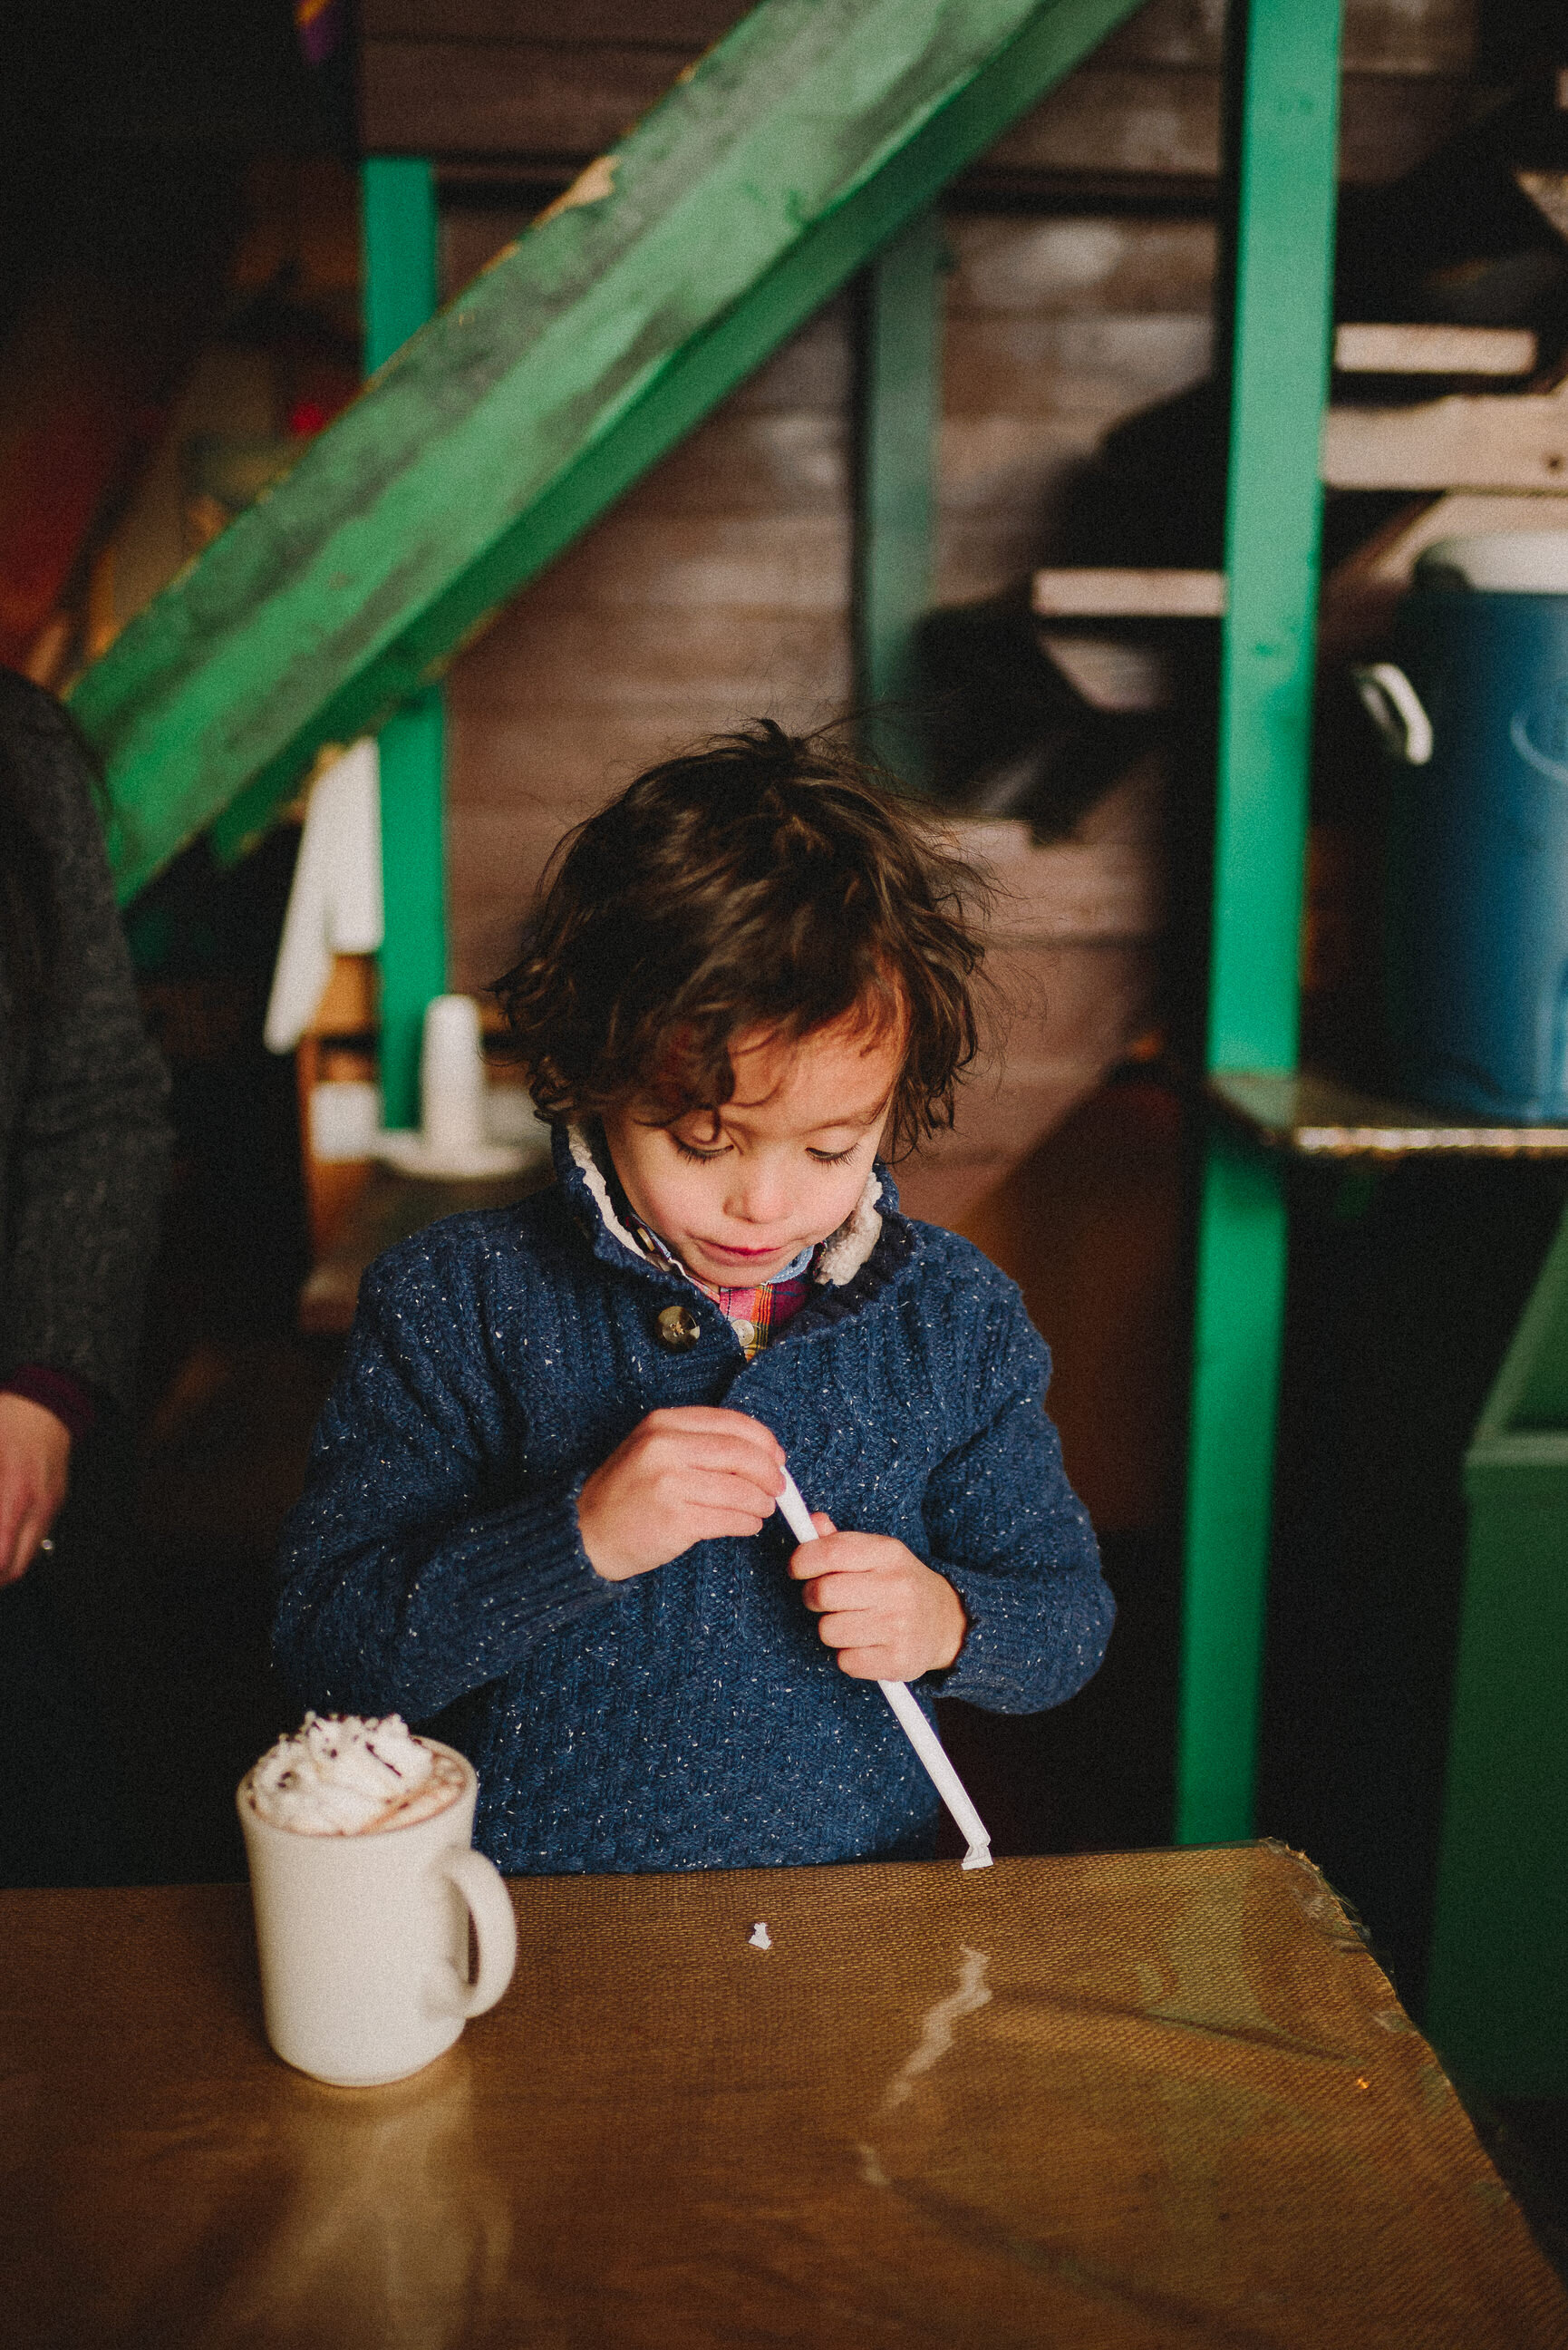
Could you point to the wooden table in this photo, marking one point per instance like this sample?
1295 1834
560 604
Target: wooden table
1163 2099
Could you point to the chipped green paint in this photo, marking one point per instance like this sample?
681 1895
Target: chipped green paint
794 151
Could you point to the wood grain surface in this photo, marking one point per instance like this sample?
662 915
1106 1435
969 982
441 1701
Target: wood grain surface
1136 2100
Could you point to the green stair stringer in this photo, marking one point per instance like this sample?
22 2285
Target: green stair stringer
792 153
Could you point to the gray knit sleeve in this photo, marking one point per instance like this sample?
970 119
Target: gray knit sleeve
88 1140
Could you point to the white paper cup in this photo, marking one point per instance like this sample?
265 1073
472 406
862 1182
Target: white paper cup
452 1077
363 1939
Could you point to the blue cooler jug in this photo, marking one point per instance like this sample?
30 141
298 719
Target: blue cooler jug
1475 707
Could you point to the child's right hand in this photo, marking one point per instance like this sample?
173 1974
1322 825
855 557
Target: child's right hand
681 1477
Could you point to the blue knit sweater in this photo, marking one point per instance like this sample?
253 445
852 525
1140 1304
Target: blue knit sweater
690 1717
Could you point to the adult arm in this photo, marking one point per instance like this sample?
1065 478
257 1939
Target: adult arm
90 1142
420 1564
1010 1534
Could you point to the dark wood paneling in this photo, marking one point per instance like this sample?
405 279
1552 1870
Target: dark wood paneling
1056 331
535 103
697 658
1078 268
715 592
1092 1226
453 98
1150 123
1055 367
1380 36
669 23
1107 119
1390 122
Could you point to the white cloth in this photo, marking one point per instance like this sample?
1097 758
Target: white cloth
335 906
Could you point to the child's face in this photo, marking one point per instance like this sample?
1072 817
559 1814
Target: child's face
737 1192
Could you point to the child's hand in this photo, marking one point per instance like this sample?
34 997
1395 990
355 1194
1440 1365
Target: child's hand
681 1477
889 1616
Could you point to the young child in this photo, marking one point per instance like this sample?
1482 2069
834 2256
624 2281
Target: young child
541 1509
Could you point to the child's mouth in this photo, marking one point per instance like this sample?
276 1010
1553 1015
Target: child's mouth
743 1255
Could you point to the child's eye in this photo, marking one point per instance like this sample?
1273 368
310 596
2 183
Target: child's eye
832 1158
689 1150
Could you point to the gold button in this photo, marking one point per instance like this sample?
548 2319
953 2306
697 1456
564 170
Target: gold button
679 1329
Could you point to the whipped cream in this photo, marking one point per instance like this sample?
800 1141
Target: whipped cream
340 1775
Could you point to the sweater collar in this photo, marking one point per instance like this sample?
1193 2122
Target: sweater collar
872 1243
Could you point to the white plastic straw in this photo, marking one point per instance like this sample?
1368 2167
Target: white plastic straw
912 1721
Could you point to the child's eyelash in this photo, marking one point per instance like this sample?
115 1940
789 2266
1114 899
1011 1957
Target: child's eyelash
705 1157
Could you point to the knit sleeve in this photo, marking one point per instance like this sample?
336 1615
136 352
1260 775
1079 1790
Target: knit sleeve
89 1150
420 1563
1014 1541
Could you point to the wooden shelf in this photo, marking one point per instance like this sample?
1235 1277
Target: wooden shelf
1434 350
1310 1116
1468 441
1107 595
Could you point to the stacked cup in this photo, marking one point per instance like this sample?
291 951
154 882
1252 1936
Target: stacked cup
452 1079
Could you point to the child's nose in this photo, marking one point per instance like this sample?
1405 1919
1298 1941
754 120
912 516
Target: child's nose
759 1196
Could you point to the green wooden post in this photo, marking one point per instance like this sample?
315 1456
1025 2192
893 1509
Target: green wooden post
398 199
901 399
401 286
1283 108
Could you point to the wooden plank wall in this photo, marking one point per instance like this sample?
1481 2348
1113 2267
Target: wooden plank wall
523 83
1056 329
719 590
1082 260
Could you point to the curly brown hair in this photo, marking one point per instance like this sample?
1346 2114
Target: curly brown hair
766 881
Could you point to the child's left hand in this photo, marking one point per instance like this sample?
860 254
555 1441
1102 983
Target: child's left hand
889 1616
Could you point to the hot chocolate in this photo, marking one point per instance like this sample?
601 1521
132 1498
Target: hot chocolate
343 1775
364 1882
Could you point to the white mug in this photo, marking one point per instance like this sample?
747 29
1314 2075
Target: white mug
363 1939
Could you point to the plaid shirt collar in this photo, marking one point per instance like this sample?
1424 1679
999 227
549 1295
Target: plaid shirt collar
757 1315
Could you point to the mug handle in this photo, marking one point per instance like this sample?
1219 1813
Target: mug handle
1396 709
483 1889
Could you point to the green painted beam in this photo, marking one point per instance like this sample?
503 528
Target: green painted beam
794 151
900 406
1282 115
402 250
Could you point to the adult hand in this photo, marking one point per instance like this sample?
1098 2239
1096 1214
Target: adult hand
683 1476
890 1617
35 1451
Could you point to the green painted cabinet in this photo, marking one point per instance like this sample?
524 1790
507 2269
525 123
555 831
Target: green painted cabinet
1497 2002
